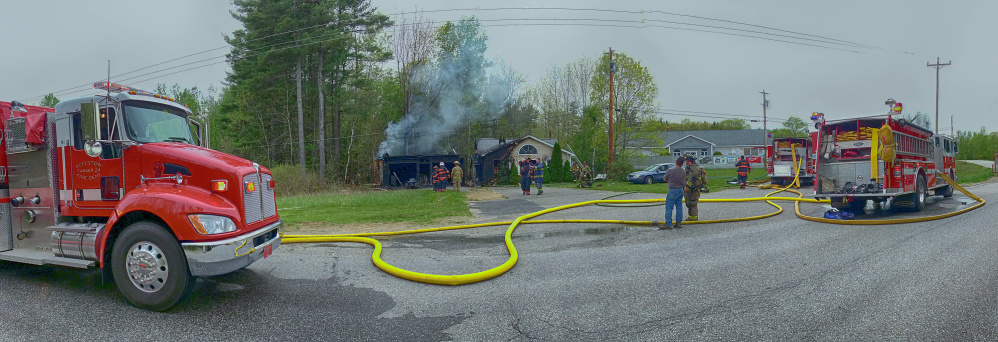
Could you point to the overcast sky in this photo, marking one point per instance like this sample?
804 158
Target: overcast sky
54 45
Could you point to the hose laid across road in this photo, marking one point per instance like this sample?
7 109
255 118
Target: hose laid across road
460 279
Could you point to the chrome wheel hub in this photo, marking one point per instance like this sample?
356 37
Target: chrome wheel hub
146 266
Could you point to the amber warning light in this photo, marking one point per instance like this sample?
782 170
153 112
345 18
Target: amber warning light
219 186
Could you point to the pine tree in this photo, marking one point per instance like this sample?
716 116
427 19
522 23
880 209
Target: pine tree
556 164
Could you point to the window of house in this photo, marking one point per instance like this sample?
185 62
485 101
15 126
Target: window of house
528 149
704 153
677 154
747 151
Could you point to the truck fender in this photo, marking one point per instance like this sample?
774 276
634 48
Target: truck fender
169 204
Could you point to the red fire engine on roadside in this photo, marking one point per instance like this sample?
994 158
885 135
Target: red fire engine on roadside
119 182
883 159
781 160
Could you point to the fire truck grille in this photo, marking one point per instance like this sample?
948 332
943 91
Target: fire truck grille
258 204
269 205
251 199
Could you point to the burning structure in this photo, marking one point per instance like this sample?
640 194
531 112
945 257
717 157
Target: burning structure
413 171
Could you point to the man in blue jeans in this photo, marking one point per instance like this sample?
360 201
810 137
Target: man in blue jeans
676 178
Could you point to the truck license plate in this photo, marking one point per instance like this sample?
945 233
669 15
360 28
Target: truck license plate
268 250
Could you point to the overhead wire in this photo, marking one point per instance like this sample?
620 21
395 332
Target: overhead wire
829 40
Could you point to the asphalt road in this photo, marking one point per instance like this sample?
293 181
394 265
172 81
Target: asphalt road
780 278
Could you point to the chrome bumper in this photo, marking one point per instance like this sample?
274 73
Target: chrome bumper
233 254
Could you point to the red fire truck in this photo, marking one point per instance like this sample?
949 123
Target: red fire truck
781 160
882 159
119 182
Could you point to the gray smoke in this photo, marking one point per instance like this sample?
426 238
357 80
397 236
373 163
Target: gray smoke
448 94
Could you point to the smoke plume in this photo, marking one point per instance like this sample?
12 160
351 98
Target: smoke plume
457 89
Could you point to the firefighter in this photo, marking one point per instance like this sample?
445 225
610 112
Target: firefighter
743 170
525 171
433 178
694 183
539 175
585 176
456 174
441 177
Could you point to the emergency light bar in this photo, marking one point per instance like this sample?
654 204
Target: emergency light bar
110 87
117 88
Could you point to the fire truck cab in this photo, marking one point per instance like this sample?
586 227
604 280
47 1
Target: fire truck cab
781 160
889 161
119 182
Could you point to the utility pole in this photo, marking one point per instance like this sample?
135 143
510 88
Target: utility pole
938 66
765 131
951 134
610 115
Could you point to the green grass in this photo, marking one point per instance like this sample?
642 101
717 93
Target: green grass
972 173
716 181
422 206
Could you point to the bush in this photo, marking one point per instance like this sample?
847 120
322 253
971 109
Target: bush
514 177
717 153
291 181
567 175
555 164
621 167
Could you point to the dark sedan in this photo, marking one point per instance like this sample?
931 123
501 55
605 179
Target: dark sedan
651 174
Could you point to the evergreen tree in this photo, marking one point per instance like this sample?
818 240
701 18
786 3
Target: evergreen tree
566 170
556 164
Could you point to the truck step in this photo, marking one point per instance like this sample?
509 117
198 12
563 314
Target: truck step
43 258
77 227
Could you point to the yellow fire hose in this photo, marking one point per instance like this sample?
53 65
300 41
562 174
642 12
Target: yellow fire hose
460 279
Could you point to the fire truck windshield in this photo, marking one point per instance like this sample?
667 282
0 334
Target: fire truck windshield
148 122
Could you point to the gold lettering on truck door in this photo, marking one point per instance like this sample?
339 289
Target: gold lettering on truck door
88 170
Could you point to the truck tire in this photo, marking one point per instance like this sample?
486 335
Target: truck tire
946 191
921 193
158 288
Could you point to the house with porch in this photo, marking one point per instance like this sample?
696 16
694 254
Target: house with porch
720 148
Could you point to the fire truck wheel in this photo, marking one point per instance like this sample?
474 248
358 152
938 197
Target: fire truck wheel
920 193
150 268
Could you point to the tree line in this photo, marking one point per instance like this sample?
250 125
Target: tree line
319 89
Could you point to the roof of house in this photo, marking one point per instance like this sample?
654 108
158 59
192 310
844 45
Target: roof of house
744 137
486 145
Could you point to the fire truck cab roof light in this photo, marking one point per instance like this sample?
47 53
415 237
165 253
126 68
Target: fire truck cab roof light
211 224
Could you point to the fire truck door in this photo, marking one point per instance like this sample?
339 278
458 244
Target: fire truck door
95 182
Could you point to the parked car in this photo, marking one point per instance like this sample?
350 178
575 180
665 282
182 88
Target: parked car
651 174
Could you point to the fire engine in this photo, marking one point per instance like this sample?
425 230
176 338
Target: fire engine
883 159
781 160
119 182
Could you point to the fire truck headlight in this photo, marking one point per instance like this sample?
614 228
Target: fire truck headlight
211 224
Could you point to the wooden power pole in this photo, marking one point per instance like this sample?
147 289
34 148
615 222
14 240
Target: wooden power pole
938 66
610 115
765 131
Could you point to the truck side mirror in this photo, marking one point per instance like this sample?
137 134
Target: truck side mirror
90 127
196 126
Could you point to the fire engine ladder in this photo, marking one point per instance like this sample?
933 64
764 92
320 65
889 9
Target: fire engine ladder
46 257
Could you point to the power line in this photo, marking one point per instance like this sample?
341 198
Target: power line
638 12
821 39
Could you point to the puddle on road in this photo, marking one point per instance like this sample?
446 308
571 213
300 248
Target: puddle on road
580 232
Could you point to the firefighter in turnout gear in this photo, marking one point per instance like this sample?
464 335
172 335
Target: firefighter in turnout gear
539 175
694 184
455 175
743 170
440 178
525 171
